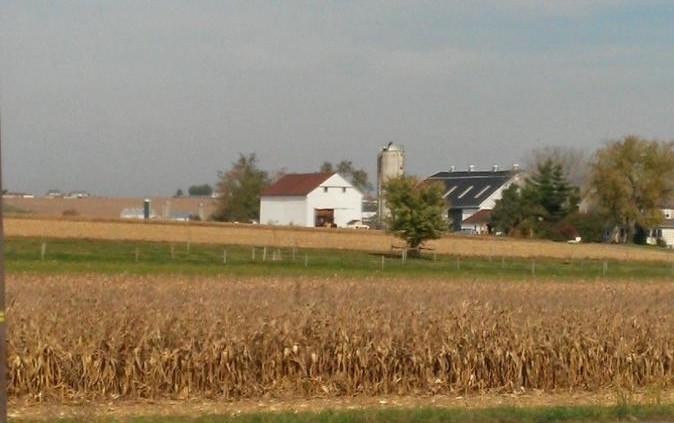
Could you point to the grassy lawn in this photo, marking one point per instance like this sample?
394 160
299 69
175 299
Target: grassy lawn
650 413
67 255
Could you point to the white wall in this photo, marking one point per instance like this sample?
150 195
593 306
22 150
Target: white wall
338 194
279 210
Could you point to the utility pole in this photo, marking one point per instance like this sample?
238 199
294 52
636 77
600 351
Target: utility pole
3 325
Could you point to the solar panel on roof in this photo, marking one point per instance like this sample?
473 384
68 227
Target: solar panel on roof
482 192
466 191
451 190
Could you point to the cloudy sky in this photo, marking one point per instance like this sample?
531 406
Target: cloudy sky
139 97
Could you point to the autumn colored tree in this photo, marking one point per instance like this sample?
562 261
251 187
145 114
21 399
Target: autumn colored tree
630 180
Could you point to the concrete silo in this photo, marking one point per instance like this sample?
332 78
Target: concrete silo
390 164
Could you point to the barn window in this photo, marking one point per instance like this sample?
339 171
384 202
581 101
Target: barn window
466 191
343 189
325 189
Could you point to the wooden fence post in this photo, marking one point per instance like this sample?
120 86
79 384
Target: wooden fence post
306 260
137 254
383 260
173 252
264 253
43 250
224 256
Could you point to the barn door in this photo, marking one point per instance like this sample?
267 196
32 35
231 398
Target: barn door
324 217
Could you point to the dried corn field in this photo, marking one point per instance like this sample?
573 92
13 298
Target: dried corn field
348 239
96 336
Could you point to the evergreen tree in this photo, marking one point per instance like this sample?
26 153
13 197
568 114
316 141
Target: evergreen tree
534 209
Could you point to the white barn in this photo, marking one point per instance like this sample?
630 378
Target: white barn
311 199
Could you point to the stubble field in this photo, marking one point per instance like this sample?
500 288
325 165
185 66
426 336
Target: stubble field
338 239
95 336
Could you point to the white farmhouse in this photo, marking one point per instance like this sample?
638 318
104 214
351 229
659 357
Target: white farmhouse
311 199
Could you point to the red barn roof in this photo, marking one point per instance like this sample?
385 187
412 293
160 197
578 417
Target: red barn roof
296 184
482 216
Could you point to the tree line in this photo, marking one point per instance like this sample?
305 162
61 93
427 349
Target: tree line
622 187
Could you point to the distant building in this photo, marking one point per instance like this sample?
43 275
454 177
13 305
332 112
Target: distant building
54 193
136 213
180 216
17 195
469 194
311 199
77 194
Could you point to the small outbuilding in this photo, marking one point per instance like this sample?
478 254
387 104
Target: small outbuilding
311 200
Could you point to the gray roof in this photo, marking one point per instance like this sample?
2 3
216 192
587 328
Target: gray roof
465 190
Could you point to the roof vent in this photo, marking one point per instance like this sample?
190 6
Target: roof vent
494 168
452 168
471 168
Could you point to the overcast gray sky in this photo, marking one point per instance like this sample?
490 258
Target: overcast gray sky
138 98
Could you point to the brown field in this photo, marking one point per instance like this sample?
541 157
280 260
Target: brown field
123 337
366 240
105 207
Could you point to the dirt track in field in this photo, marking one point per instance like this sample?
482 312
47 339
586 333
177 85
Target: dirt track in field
370 240
121 409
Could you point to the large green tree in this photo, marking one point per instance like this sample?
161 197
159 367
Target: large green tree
630 180
240 189
358 177
417 210
510 211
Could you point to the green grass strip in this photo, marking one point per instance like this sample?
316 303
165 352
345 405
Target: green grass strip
644 413
140 257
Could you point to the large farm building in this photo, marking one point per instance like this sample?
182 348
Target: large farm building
311 199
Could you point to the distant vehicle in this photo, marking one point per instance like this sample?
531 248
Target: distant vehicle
357 224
